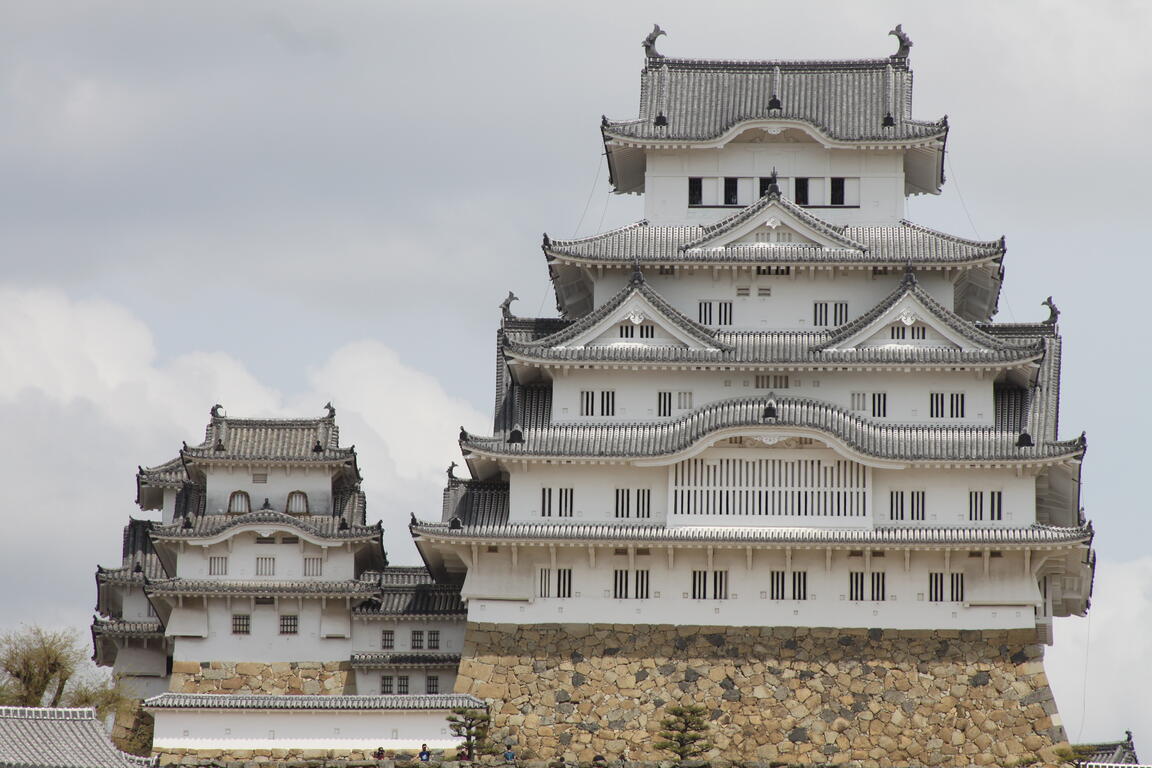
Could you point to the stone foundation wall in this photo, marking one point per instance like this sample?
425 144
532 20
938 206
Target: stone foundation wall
296 677
797 696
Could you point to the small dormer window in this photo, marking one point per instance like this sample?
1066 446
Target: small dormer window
297 503
238 503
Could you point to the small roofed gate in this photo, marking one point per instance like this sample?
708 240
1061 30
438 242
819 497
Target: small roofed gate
770 487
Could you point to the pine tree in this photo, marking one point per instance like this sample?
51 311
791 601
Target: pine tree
472 726
685 732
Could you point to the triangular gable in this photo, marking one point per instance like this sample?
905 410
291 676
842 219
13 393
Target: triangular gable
911 306
772 212
635 305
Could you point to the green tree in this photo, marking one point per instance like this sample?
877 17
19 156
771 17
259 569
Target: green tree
472 726
41 668
685 732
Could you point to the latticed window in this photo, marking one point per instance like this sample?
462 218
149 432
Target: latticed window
265 566
620 584
799 585
433 639
776 585
289 624
878 583
241 624
218 565
387 684
238 503
298 503
663 403
641 590
402 685
417 639
936 587
313 566
563 582
856 585
432 684
566 497
387 639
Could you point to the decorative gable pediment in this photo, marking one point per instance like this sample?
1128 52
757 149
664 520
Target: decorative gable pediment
911 317
638 322
773 230
774 219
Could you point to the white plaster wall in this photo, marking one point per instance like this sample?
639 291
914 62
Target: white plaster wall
749 604
366 634
908 392
338 562
594 495
946 496
265 643
881 175
322 729
140 660
135 606
790 305
169 511
314 481
368 680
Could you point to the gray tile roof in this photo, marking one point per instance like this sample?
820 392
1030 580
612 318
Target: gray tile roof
1109 753
170 474
899 442
381 660
794 348
475 502
259 588
294 440
891 246
46 737
414 601
609 532
844 100
120 628
322 526
305 702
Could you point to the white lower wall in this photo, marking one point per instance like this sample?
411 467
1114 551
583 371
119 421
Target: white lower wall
323 729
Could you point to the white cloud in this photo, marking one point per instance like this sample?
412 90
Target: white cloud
85 398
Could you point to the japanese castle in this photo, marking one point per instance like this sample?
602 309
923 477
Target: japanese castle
773 457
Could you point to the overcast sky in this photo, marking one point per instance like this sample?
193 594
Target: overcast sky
274 204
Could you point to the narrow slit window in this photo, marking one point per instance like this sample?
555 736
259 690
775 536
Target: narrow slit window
663 403
545 502
563 582
719 585
836 191
608 403
801 191
995 505
704 312
644 502
916 505
725 312
879 404
695 190
731 186
623 502
620 584
936 587
699 585
565 506
878 583
545 583
640 591
587 402
975 505
957 587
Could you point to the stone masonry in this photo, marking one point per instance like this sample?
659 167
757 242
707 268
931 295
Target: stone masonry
796 696
311 677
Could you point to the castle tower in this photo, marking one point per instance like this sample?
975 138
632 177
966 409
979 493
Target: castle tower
774 457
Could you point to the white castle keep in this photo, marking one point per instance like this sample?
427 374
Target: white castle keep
773 447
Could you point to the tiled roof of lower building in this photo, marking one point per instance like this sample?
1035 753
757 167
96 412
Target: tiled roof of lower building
411 660
403 575
121 628
257 588
49 737
896 442
1109 753
414 601
733 534
314 702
